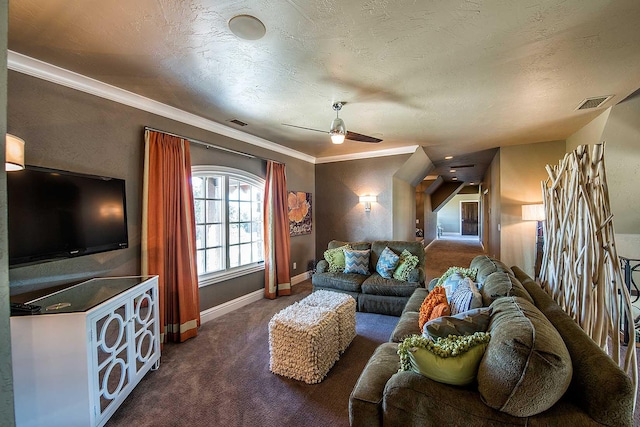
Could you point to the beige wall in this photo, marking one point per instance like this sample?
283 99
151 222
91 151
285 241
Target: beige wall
491 206
340 216
449 215
522 168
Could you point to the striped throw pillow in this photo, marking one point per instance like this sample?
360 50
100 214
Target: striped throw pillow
387 263
356 261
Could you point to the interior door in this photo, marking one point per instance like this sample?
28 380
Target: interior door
469 218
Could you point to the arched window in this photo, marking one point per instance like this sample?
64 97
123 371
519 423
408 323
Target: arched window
228 209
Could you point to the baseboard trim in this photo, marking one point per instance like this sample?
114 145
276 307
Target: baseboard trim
229 306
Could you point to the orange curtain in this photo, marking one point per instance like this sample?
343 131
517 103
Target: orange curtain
276 233
168 234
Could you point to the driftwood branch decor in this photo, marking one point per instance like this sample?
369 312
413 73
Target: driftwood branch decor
580 267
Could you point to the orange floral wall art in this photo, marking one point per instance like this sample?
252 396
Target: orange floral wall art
299 213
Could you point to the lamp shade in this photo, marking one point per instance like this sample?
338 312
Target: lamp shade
533 212
337 131
368 199
14 156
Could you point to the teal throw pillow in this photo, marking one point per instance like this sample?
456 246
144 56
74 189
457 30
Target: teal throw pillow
407 263
356 261
465 323
465 297
387 263
335 258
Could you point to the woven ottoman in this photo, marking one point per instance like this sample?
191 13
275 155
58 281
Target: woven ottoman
303 342
345 307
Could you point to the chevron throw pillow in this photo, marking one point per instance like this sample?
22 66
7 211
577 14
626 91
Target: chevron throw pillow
465 297
356 261
387 263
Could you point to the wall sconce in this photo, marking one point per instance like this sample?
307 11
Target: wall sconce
367 202
14 154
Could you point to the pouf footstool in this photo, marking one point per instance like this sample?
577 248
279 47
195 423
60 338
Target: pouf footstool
303 342
345 307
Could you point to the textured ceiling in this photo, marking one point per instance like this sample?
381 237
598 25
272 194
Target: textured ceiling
457 77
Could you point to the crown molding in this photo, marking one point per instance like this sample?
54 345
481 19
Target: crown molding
368 155
45 71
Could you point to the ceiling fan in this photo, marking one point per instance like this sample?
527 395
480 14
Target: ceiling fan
338 130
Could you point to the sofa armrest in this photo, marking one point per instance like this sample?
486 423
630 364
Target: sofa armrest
322 266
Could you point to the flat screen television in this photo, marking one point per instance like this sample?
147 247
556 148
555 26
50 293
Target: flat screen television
57 214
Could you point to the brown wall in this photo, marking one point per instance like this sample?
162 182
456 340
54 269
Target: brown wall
339 215
71 130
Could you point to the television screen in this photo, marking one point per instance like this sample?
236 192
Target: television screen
58 214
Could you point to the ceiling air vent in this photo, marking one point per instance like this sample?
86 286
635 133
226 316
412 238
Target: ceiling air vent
238 122
593 102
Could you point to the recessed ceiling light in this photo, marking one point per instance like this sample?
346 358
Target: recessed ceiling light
448 158
472 183
454 178
452 170
247 27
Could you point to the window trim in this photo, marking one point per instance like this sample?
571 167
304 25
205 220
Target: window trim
243 270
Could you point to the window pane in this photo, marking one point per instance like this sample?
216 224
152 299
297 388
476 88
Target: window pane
234 234
257 251
196 185
200 261
214 190
257 194
199 211
245 254
233 189
214 235
214 260
245 211
199 236
256 214
234 256
245 232
245 191
214 211
234 211
257 231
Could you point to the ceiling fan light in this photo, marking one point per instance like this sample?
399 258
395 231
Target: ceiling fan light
338 131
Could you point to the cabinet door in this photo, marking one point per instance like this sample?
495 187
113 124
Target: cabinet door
110 344
146 328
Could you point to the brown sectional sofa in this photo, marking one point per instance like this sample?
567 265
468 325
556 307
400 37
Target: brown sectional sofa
373 293
599 392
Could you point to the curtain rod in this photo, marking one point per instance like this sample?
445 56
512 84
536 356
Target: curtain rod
209 145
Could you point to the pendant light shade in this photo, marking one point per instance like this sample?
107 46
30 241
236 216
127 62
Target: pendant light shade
14 156
338 131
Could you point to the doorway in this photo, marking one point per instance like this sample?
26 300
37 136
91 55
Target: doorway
469 218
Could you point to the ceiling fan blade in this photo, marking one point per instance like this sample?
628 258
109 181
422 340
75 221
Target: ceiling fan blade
362 138
302 127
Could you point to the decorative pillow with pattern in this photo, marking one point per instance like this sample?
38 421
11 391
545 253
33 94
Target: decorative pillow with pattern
435 297
465 297
465 323
407 263
356 261
335 258
387 263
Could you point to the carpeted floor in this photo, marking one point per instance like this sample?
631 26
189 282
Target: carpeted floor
444 253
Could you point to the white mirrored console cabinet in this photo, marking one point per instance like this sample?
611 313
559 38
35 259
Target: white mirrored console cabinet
77 360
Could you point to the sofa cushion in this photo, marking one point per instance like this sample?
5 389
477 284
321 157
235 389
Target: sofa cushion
406 264
398 246
407 326
377 285
526 368
341 281
435 297
487 265
335 258
387 263
356 261
501 284
415 301
465 297
467 323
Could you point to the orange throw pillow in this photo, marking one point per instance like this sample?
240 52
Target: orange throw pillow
440 310
435 297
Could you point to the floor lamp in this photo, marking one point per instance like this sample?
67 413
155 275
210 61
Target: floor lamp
536 213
